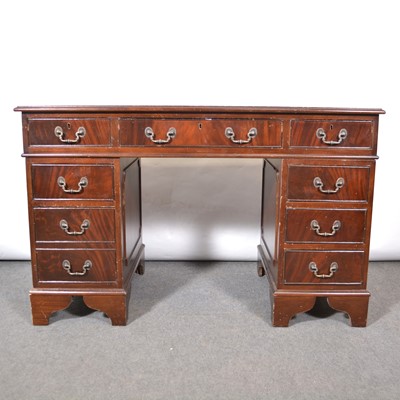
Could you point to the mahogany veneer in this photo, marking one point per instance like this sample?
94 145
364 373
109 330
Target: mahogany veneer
83 177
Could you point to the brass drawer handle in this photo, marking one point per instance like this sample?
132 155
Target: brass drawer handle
150 134
315 227
83 182
230 134
322 136
80 133
320 185
314 269
84 226
86 266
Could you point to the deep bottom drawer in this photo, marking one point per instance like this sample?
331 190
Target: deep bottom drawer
324 267
76 265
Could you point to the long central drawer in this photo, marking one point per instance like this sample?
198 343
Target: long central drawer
201 132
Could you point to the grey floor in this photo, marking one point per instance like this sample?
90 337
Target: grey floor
199 331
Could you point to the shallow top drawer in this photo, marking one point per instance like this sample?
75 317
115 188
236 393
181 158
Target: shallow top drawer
72 182
212 132
69 132
332 134
328 183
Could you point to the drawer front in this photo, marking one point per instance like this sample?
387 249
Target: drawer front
69 132
73 181
76 265
74 225
328 183
325 226
331 134
324 268
201 132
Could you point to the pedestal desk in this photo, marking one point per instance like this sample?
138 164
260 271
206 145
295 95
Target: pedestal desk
84 192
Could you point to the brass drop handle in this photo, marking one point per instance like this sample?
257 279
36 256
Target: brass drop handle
151 135
83 182
65 227
320 185
315 227
86 266
314 269
230 134
80 133
321 134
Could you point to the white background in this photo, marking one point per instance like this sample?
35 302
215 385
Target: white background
269 53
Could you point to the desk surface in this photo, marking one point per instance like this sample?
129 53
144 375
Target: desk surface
200 109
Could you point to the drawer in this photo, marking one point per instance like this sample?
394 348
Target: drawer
331 134
328 183
201 132
325 226
69 132
324 267
73 181
74 225
76 265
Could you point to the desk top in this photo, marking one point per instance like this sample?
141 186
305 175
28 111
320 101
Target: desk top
199 109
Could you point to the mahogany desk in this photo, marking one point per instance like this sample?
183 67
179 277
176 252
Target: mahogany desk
84 182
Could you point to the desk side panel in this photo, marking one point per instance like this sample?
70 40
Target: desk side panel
131 209
270 213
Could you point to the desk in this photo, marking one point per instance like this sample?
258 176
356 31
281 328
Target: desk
84 182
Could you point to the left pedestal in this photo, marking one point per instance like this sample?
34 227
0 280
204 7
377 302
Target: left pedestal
85 227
